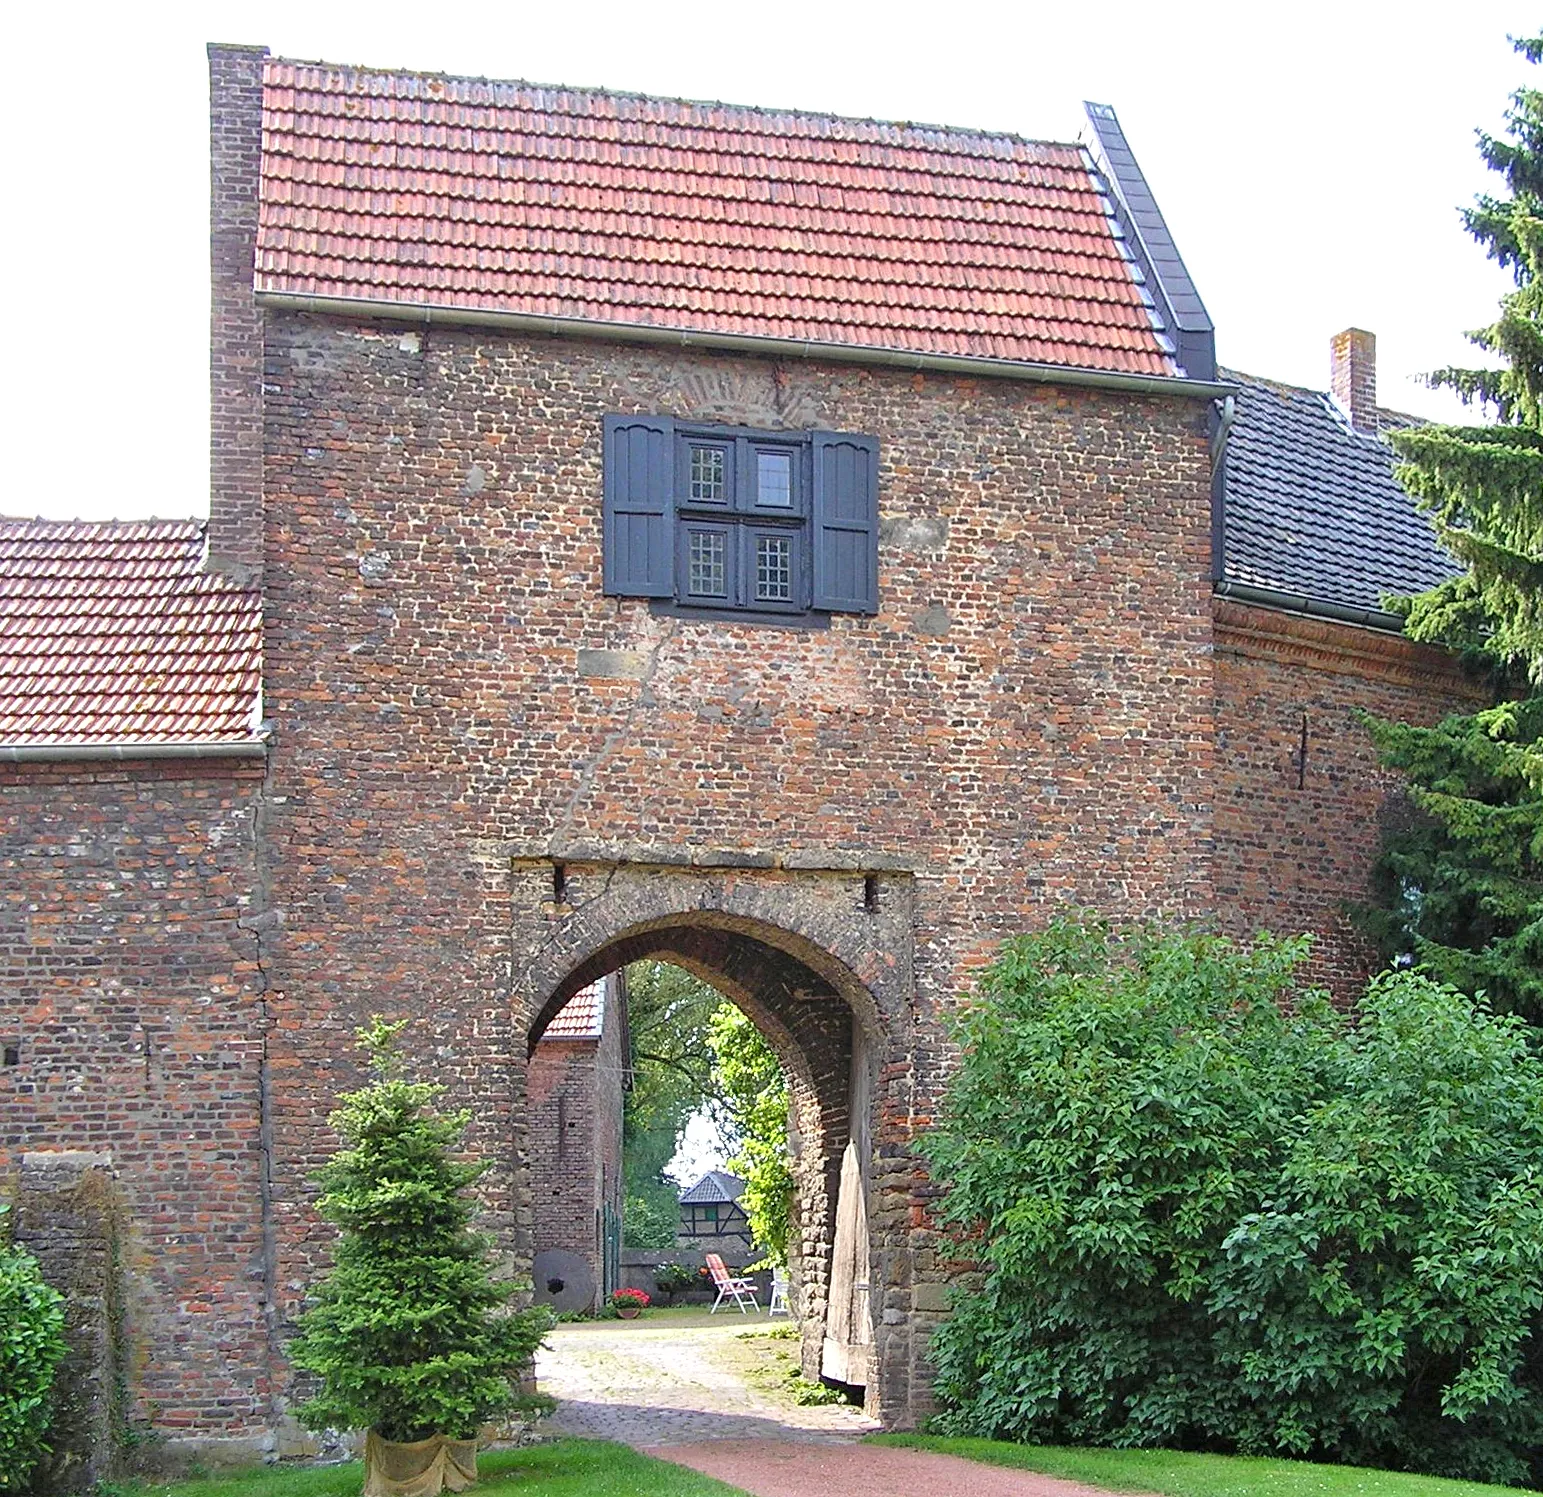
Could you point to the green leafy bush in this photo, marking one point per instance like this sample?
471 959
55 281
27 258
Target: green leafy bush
1212 1213
671 1278
31 1348
410 1335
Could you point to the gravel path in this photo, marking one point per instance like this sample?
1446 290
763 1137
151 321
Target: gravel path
652 1383
672 1390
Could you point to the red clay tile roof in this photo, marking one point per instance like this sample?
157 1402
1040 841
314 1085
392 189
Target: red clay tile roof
465 193
112 633
582 1017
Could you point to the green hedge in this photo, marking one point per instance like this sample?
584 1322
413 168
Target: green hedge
1214 1214
31 1348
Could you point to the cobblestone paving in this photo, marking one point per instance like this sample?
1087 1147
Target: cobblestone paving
652 1383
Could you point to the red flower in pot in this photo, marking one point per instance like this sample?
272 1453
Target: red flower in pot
629 1303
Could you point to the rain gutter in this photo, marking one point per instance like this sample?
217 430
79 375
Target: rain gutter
51 753
428 315
1300 603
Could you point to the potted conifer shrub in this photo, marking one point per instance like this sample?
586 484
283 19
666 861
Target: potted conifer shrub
411 1336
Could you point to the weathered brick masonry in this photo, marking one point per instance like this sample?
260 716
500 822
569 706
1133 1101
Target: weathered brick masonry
130 987
1026 724
1296 832
575 1087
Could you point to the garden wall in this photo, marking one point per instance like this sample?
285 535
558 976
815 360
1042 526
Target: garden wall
131 993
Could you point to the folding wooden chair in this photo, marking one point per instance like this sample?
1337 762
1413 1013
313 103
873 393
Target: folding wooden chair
740 1289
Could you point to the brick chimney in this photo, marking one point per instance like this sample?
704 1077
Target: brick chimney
236 327
1353 376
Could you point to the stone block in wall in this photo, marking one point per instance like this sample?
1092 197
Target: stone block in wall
68 1217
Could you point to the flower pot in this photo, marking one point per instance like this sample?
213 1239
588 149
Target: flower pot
419 1468
629 1312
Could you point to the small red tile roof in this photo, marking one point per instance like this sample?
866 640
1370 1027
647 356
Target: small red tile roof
509 197
111 633
582 1017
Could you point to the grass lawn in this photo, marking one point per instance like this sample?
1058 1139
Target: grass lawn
562 1468
677 1318
1179 1474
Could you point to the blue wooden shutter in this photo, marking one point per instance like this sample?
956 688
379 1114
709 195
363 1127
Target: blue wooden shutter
638 508
846 522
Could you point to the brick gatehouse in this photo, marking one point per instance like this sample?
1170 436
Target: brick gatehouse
805 550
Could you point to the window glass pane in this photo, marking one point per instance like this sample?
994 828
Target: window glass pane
773 568
774 479
707 474
705 564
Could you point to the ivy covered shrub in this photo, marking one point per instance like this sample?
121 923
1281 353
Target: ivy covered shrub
410 1334
31 1348
1212 1212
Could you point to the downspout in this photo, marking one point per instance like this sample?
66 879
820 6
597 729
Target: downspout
1226 413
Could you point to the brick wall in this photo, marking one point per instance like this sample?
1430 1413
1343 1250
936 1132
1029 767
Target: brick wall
130 993
1027 725
1295 835
564 1104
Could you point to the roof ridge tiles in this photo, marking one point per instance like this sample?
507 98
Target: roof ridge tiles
555 96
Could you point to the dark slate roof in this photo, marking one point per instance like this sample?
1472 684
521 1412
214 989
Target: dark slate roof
1312 509
715 1185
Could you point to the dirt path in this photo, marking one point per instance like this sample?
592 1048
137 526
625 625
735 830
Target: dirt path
677 1388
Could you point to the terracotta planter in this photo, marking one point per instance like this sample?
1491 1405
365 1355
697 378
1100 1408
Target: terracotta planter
629 1312
422 1468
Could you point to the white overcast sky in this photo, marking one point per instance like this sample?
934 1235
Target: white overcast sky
1309 158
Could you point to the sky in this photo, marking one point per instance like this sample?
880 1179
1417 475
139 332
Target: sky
700 1149
1310 161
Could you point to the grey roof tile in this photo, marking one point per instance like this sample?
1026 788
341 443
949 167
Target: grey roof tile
1312 508
715 1185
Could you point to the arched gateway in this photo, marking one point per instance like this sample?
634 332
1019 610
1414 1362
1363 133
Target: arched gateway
820 961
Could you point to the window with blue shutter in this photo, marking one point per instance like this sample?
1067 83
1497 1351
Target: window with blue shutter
728 520
846 531
638 506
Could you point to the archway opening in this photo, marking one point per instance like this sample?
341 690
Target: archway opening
819 1024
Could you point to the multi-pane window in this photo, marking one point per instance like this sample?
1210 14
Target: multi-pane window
707 474
774 569
706 568
725 519
742 514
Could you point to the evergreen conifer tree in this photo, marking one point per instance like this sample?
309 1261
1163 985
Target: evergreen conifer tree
1460 883
410 1334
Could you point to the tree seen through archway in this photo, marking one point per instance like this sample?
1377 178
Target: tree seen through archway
694 1053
